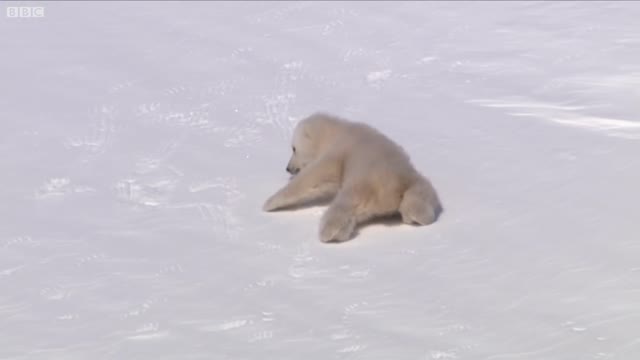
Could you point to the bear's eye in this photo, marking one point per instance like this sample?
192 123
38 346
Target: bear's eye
294 148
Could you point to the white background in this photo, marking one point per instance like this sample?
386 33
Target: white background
138 142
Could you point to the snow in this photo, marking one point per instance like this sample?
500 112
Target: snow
139 140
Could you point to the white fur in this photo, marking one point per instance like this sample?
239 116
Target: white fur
366 175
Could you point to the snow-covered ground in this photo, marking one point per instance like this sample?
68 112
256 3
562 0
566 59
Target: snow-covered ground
138 141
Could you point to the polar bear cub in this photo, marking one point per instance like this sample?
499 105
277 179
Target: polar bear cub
366 175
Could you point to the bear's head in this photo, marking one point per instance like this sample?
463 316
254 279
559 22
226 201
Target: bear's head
312 137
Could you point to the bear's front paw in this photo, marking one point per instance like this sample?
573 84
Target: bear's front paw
337 228
271 204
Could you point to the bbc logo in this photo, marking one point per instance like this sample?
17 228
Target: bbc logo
25 12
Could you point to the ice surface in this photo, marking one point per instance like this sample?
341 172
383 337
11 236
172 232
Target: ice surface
138 141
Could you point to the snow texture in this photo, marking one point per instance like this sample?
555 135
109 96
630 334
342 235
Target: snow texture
138 141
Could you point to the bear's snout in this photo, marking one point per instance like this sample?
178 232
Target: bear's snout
292 170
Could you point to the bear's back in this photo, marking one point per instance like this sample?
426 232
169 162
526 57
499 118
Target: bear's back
373 157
